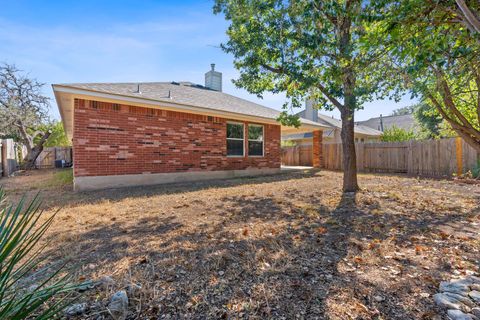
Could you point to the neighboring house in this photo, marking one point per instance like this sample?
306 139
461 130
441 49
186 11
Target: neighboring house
332 135
127 134
382 123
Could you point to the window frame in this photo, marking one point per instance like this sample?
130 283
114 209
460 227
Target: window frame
237 139
262 141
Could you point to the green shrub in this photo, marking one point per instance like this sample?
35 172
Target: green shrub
20 233
395 134
288 143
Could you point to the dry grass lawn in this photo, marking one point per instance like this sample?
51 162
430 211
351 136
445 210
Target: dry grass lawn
280 247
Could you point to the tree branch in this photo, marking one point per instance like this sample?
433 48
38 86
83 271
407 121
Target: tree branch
446 94
471 136
324 91
476 74
332 99
272 69
472 20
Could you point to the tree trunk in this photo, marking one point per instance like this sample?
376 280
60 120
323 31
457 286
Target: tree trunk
349 106
350 183
33 153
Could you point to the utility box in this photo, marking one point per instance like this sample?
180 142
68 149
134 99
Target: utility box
59 163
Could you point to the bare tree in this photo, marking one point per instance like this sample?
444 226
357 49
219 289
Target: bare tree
23 109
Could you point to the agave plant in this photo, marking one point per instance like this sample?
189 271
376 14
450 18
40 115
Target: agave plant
20 256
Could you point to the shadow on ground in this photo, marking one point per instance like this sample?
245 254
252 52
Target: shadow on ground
269 257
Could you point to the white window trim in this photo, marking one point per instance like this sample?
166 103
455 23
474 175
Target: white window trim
227 138
262 141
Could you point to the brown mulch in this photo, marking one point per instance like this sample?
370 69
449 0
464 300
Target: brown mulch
283 247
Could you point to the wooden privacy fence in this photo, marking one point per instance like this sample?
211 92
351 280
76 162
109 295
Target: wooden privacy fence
301 155
47 157
435 158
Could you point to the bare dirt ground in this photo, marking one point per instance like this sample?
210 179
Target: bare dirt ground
281 247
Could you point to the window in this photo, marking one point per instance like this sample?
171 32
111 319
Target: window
255 140
235 134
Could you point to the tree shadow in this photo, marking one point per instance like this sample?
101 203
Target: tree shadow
267 257
118 194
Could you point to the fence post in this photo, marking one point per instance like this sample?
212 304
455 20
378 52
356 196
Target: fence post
360 156
410 157
5 169
459 153
317 148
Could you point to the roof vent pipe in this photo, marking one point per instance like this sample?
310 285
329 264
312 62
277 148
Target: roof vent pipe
138 89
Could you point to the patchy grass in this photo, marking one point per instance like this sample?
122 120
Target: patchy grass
282 247
46 180
59 179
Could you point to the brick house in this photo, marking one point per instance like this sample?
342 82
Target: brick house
126 134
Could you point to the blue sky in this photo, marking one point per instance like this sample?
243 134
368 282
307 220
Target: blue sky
125 41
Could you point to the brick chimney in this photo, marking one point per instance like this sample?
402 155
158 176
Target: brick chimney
213 79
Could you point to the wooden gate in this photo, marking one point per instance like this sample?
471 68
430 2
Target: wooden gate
301 155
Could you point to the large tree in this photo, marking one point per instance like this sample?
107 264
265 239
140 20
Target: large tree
309 48
437 51
429 120
23 110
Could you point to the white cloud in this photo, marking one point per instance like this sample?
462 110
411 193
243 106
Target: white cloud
168 49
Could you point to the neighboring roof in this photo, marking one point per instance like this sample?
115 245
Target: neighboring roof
337 123
181 93
406 122
307 135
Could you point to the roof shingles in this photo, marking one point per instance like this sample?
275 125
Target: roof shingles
184 93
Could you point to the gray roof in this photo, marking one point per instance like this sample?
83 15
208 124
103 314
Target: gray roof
406 122
184 93
337 123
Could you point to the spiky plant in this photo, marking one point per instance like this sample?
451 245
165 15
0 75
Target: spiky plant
20 256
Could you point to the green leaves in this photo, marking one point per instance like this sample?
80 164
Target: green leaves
307 48
395 134
57 137
20 233
439 59
289 120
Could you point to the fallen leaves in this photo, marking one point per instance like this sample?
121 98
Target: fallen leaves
321 230
289 249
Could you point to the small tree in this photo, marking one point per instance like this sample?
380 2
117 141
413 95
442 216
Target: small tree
317 49
396 134
23 109
57 136
429 120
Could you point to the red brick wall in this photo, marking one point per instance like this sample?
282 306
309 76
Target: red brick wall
317 149
113 139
